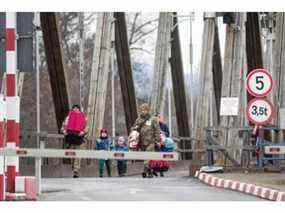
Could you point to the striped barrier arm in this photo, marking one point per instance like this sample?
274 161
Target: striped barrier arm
90 154
274 150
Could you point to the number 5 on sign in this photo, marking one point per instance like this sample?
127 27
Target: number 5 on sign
260 111
259 83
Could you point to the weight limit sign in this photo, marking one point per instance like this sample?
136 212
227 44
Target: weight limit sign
259 83
260 111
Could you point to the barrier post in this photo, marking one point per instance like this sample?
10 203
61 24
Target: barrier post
13 102
38 165
2 145
38 161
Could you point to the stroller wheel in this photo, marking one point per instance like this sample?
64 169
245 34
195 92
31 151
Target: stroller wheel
150 174
144 175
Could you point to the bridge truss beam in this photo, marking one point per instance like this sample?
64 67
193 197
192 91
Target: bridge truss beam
56 67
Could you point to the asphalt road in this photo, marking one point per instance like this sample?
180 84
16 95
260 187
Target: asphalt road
176 186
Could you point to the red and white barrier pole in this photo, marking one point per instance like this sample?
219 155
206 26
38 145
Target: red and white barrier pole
12 100
2 145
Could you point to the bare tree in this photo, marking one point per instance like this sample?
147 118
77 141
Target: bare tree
68 23
140 28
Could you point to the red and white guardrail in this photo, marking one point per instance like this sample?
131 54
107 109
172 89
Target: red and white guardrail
246 188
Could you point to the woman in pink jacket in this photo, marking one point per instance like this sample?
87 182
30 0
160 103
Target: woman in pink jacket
74 129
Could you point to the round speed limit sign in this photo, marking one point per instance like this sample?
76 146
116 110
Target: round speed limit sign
259 83
259 111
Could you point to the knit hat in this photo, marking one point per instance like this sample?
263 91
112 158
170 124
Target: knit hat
103 131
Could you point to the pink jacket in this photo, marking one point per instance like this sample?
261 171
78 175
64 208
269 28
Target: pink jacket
76 121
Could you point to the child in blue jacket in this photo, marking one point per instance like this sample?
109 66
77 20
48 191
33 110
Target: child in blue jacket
104 143
121 146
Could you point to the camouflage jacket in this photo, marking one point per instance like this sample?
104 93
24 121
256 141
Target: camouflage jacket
149 130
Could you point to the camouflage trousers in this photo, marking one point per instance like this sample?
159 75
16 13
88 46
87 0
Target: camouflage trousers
147 148
75 162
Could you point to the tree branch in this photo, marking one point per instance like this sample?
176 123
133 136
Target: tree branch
143 35
133 28
145 24
141 49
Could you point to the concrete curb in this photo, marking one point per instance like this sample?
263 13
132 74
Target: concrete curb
246 188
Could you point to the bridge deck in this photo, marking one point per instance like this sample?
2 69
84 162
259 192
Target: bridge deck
176 186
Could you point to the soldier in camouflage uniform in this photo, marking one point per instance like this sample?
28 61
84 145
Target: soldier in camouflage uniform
149 133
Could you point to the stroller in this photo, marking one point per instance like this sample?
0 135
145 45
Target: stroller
161 166
154 166
158 166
